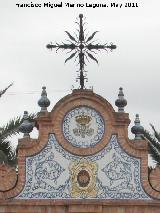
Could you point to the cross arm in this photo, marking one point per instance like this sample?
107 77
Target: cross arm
99 47
61 46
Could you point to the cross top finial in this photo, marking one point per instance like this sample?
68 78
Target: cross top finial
82 48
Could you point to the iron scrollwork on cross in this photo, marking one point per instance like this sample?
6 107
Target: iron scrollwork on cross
81 47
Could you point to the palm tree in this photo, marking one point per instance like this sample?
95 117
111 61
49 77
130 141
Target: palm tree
5 148
7 153
154 144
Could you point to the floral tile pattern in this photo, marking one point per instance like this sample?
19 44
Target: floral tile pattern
48 173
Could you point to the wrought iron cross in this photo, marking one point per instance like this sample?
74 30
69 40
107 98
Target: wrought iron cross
81 47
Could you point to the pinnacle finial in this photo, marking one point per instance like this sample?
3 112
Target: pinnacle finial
26 127
121 102
44 102
137 129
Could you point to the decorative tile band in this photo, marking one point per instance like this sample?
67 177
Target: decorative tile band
57 174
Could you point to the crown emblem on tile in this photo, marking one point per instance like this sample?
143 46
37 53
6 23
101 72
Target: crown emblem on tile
83 119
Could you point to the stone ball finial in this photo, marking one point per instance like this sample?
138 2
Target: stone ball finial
44 102
26 127
137 129
121 102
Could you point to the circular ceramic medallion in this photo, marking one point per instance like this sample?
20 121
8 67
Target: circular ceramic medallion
83 127
83 178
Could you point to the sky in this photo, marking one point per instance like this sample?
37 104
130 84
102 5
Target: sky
134 65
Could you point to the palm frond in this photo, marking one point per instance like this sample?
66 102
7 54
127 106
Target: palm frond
13 162
152 140
156 134
7 153
5 147
9 159
154 153
12 127
3 157
4 90
154 144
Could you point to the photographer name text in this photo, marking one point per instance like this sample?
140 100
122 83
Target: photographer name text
79 5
